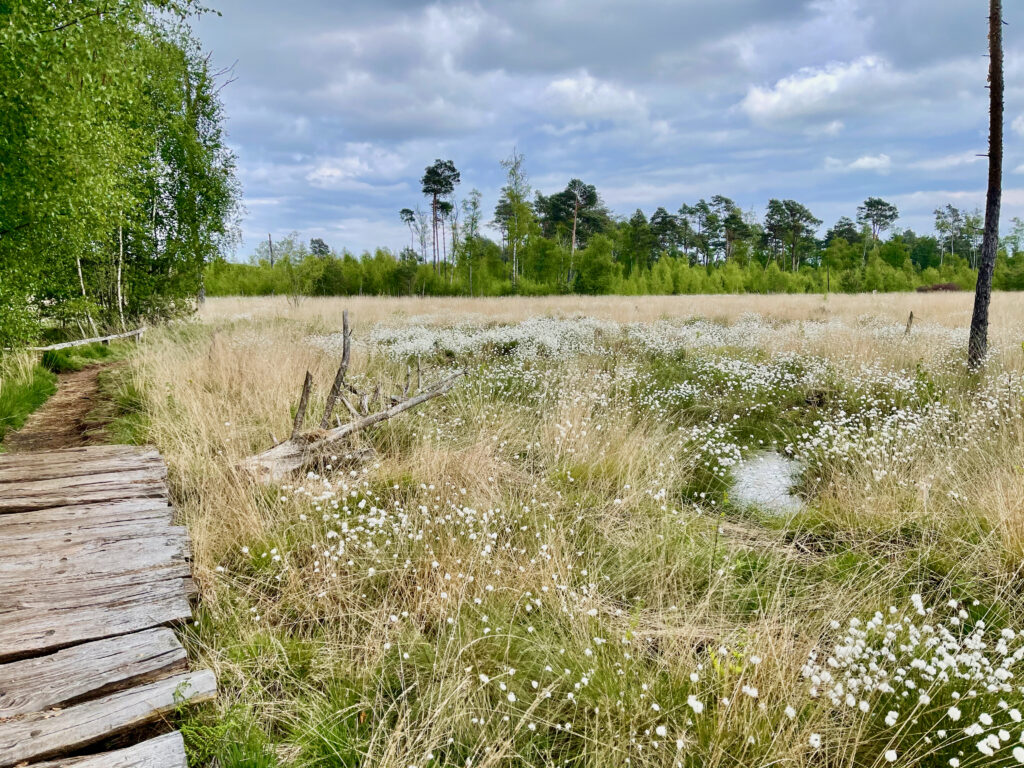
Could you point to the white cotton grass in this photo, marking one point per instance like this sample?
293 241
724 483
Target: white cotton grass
552 557
919 675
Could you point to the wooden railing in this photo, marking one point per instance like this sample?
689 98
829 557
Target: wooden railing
96 340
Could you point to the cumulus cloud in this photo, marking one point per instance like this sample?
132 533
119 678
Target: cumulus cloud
583 96
945 162
363 163
816 91
880 163
1018 124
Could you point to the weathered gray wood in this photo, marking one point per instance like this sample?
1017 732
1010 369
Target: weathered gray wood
130 474
48 622
85 516
70 591
89 560
54 539
92 570
93 542
80 453
279 462
47 470
42 735
94 340
14 501
44 682
167 751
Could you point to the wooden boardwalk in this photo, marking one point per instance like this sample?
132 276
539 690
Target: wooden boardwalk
92 574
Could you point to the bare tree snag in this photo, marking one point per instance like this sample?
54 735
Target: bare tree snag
300 413
339 378
910 324
303 448
977 344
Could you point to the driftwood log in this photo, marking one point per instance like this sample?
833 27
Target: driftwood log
303 448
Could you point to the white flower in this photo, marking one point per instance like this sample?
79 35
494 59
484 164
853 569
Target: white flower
890 755
790 712
891 718
661 731
954 713
1018 754
815 741
696 705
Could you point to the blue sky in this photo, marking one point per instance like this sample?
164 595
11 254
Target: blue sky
337 107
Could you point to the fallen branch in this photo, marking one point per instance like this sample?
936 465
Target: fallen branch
302 449
294 454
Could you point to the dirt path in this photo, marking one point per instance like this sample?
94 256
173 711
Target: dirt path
62 421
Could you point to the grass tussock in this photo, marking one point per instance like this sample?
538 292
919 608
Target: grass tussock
24 386
547 568
76 358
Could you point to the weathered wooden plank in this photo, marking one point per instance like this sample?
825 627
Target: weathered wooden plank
59 590
155 540
77 453
84 516
33 541
167 751
48 622
131 474
49 470
44 682
42 735
89 559
14 502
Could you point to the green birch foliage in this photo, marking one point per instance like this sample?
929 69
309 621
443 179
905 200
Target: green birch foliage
117 186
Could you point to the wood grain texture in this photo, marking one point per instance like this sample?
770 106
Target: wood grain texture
167 751
37 629
84 516
47 469
92 570
19 499
44 682
44 734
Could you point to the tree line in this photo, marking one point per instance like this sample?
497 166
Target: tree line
117 187
569 242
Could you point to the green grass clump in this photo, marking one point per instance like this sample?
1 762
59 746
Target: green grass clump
24 387
76 358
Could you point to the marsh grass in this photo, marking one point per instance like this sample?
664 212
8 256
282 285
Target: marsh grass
77 358
545 567
24 386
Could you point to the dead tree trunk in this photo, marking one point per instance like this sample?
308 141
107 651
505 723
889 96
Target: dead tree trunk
977 345
302 449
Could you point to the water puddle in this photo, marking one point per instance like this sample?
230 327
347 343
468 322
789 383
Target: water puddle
765 481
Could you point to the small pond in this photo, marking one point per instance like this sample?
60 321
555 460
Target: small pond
766 480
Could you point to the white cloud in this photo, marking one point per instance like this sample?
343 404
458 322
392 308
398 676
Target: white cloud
585 97
830 129
945 162
363 165
880 163
1018 124
814 91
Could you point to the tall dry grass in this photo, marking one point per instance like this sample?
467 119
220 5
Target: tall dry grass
376 657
